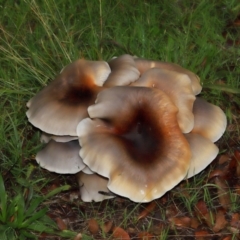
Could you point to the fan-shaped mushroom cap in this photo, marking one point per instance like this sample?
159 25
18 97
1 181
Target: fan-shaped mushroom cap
123 71
203 153
143 65
93 187
61 105
45 138
135 141
178 87
209 120
61 157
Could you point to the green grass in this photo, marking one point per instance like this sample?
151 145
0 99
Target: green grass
38 38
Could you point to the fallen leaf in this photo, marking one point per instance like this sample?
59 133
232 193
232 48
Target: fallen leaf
180 221
216 173
132 230
228 238
201 207
171 211
78 237
237 155
220 221
61 224
93 226
235 221
107 226
149 208
223 192
223 159
201 234
119 233
157 229
209 219
145 236
194 223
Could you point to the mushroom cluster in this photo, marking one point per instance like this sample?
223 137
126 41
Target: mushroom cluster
130 127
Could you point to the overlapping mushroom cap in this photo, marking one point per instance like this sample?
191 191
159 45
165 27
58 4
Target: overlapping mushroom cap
59 107
136 141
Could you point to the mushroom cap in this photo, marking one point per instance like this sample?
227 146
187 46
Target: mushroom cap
87 170
178 87
135 141
45 138
93 187
209 120
203 153
61 105
123 71
61 157
143 65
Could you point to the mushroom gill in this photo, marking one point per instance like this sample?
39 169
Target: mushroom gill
136 143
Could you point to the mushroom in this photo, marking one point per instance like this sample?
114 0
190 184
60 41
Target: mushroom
203 153
93 187
143 65
209 120
61 105
136 143
123 71
178 87
45 138
61 157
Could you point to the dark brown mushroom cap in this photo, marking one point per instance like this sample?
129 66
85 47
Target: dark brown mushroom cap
203 153
123 71
209 120
178 87
143 65
135 141
61 157
93 187
61 105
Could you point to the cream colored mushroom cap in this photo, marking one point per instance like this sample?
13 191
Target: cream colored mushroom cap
61 157
93 187
123 71
209 120
203 153
135 141
178 87
61 105
143 65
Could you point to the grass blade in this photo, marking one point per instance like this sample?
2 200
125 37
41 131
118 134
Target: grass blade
3 201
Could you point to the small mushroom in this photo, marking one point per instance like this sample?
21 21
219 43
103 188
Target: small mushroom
123 71
134 140
178 87
93 187
209 120
143 65
61 105
203 153
61 157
